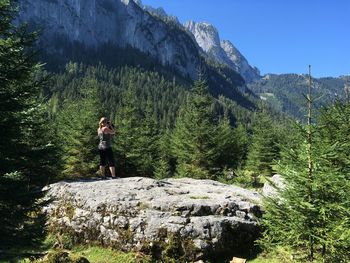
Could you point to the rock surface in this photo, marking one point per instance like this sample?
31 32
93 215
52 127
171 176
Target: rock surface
128 23
143 214
270 189
121 23
224 52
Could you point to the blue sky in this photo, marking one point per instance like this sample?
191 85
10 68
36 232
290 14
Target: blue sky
277 36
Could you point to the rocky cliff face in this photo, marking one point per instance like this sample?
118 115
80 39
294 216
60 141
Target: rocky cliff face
119 22
250 73
223 52
129 23
203 218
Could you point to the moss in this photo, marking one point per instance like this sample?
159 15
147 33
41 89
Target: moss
59 256
79 259
126 236
64 240
181 249
199 197
142 205
171 248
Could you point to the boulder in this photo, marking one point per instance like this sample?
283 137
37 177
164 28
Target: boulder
185 218
271 187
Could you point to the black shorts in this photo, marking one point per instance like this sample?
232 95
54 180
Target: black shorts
105 155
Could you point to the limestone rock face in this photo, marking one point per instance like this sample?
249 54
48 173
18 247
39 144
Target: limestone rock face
224 52
249 72
118 22
141 214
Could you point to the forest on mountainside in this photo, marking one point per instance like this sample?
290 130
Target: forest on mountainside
285 92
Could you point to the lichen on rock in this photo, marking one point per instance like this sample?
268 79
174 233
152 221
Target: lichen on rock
189 218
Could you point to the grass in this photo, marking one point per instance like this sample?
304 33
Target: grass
278 256
107 255
97 254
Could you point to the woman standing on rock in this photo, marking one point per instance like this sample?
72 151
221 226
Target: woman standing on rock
105 132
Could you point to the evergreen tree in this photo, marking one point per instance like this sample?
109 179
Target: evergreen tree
77 124
311 214
231 145
20 122
264 149
334 123
148 142
128 123
163 167
241 145
193 141
225 143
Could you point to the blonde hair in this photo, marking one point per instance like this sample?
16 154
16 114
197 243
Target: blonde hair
102 120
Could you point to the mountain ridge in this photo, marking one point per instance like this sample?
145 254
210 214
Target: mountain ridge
285 92
122 23
224 52
126 23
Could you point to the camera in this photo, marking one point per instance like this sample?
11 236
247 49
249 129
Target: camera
110 125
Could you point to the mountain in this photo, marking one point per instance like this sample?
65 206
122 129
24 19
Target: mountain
124 32
285 92
224 52
122 23
160 12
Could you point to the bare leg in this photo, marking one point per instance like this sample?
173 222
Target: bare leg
102 171
112 169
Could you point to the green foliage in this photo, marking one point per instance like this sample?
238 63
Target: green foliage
162 169
284 92
264 149
20 212
144 107
107 255
232 144
26 153
312 213
137 136
193 141
278 255
77 124
58 256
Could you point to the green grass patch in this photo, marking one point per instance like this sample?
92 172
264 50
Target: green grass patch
107 255
277 256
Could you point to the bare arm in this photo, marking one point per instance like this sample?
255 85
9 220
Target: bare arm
108 130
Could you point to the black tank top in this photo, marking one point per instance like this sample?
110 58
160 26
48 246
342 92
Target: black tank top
105 140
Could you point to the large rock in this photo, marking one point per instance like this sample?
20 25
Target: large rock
272 186
199 218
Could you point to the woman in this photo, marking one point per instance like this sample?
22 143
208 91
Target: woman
105 133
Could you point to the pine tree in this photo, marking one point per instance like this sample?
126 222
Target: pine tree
163 168
264 149
77 124
128 123
20 120
311 214
193 141
148 142
231 144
